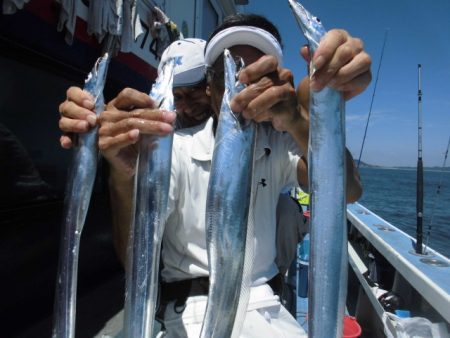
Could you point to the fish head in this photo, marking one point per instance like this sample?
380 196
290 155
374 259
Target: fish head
230 69
222 79
95 80
233 65
161 91
310 25
236 65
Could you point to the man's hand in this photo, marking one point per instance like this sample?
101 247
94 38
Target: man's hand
270 94
77 115
126 117
340 62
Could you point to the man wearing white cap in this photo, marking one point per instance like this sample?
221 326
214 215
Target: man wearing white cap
189 84
269 96
192 108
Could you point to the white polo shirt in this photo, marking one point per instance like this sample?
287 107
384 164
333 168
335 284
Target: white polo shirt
184 243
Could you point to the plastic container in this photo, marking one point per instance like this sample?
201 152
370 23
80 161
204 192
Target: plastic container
403 313
302 287
351 328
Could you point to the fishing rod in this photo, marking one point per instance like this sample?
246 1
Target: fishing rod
419 198
373 96
438 192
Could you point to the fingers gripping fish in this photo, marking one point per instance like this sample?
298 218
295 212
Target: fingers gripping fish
78 195
326 154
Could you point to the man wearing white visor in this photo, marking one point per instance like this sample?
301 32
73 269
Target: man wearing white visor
269 96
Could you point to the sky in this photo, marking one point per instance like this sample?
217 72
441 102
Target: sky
418 33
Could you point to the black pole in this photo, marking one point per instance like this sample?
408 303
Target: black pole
373 98
438 191
419 203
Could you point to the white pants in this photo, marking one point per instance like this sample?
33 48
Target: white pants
265 317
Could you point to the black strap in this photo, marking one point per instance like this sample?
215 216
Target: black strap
276 283
179 291
184 289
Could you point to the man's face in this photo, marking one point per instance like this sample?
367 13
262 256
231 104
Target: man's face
192 105
216 84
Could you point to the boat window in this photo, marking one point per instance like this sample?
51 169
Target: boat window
210 18
33 174
33 166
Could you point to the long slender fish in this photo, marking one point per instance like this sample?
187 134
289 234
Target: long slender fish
150 210
227 208
78 195
326 157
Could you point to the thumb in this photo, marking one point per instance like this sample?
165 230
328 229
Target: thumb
304 52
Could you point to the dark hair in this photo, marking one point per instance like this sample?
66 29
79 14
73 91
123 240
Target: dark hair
247 19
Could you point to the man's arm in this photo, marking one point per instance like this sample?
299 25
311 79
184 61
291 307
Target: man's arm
126 117
340 62
300 134
129 115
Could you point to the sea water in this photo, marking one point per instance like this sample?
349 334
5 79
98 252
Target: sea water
391 193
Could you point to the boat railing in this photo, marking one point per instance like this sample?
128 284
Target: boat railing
421 282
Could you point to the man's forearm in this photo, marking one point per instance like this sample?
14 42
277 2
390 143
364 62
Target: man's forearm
354 187
300 130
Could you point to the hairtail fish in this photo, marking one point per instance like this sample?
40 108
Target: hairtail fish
78 195
227 213
150 210
326 166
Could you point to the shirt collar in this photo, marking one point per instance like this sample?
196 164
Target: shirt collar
203 142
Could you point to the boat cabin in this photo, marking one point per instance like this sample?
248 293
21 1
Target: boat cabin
37 66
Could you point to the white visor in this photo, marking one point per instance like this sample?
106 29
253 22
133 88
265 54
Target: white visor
242 35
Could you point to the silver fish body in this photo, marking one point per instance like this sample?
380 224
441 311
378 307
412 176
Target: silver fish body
326 160
77 197
150 211
227 208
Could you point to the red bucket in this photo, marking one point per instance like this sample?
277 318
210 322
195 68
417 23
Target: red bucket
351 328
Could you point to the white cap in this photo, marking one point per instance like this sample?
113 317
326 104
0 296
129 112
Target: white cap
190 64
243 35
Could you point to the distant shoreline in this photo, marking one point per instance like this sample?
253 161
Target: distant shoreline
367 165
428 169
